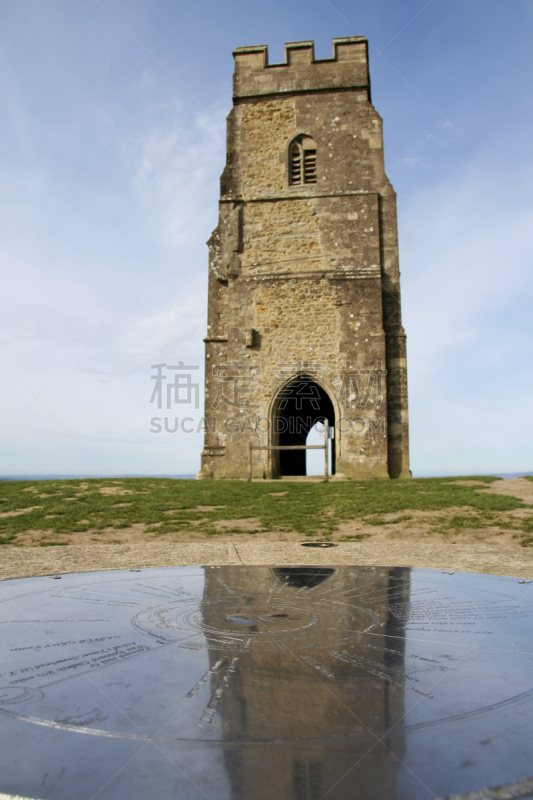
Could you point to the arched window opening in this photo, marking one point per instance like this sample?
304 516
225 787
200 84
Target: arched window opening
302 161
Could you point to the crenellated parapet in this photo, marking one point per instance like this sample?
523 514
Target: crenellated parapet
301 72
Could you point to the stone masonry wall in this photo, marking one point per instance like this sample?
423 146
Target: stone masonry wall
304 280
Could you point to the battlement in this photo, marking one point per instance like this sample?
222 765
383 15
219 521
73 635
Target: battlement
301 73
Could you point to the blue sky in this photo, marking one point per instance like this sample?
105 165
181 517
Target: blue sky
112 140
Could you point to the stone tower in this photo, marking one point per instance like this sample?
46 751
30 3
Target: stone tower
272 695
304 318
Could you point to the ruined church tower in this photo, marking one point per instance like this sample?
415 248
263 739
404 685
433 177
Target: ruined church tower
304 318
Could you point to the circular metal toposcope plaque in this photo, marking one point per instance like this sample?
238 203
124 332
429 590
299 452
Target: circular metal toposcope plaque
248 683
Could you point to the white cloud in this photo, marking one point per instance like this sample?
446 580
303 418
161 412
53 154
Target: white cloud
467 288
86 305
174 168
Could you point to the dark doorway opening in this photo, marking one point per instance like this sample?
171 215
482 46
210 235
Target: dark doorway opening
298 577
299 406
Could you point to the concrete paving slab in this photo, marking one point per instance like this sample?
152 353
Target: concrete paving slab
17 562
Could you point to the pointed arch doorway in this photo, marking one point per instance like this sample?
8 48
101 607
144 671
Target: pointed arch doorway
299 405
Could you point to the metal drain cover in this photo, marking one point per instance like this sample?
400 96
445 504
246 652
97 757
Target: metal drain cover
318 544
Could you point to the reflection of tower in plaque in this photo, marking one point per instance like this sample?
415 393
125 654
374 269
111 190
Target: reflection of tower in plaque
312 665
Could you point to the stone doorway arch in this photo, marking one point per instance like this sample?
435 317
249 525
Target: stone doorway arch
299 405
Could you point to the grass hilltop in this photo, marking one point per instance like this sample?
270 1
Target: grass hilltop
113 511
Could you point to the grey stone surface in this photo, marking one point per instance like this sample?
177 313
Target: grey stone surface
18 562
253 683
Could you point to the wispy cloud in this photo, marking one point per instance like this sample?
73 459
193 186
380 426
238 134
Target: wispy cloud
467 289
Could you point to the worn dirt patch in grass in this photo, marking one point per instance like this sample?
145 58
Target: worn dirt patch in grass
19 511
455 525
520 488
134 534
223 531
250 525
439 527
111 490
468 482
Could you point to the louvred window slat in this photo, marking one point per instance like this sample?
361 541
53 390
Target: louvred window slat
302 161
